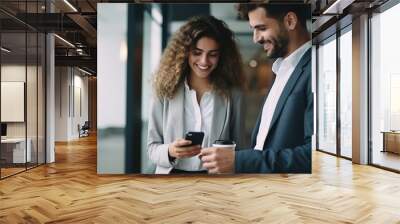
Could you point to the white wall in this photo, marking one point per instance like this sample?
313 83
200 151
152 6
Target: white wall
61 103
71 87
12 73
79 117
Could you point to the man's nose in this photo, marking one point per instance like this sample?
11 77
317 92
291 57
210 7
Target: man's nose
257 38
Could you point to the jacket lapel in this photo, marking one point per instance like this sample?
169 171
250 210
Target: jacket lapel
257 126
177 111
219 117
298 71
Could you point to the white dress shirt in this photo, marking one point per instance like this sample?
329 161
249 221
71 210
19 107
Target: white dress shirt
197 117
283 68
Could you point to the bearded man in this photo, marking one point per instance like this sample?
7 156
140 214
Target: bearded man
281 139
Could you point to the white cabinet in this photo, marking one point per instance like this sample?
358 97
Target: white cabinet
18 149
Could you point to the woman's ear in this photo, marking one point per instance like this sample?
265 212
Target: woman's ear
290 21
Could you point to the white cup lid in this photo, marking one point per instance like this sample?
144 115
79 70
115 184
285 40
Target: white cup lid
224 146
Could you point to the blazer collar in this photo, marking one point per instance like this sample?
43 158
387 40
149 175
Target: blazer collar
298 71
177 105
221 105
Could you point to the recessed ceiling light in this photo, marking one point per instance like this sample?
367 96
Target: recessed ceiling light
337 7
64 40
5 50
70 5
84 71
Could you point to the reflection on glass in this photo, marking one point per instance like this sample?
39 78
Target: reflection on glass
327 96
385 84
345 94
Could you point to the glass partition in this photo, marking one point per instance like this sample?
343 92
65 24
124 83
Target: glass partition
23 91
14 153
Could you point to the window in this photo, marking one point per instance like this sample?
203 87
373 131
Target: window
385 89
327 95
346 92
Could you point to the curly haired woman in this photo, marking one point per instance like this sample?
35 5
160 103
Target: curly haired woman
197 88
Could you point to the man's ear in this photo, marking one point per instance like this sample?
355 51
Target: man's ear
290 21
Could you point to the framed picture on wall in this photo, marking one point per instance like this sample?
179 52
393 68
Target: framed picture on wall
12 101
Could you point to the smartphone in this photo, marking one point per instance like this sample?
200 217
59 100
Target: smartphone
195 137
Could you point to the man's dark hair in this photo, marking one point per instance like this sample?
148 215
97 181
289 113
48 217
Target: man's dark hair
277 11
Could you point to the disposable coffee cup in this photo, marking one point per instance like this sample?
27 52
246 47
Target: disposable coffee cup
228 144
224 144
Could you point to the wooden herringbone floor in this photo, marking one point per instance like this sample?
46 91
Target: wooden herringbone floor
70 191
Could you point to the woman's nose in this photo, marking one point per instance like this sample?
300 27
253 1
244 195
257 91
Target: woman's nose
204 59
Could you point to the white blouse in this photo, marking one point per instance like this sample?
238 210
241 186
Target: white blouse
197 117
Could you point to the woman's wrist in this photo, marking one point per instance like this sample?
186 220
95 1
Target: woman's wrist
170 157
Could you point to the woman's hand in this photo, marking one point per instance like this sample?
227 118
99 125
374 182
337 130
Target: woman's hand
180 149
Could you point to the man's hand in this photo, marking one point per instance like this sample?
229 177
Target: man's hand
218 160
180 149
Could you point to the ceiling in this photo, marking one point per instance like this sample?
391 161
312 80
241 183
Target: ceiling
72 20
76 22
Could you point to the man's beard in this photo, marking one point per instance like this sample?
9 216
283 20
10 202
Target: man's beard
280 43
279 47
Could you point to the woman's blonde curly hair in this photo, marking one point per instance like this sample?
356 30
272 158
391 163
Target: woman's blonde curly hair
174 62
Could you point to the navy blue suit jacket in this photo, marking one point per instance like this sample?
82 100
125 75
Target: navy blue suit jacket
287 147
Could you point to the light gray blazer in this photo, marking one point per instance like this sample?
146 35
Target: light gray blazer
166 124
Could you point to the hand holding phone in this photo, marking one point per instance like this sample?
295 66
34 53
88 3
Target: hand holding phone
195 137
184 148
